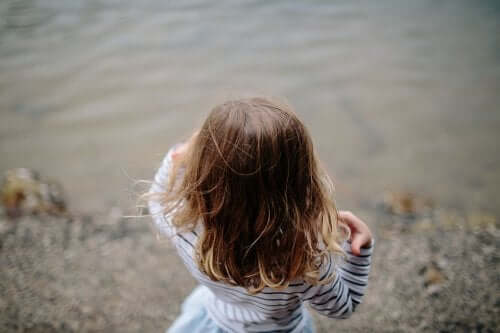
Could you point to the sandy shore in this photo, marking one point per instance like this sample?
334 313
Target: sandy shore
106 273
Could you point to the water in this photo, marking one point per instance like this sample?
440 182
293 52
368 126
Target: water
397 94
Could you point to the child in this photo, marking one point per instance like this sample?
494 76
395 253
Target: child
251 214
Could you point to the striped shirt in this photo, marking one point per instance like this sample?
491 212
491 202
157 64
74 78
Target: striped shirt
235 310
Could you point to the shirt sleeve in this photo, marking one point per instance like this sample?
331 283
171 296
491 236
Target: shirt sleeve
156 209
340 297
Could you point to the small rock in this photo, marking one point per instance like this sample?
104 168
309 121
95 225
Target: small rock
434 277
434 289
24 192
406 203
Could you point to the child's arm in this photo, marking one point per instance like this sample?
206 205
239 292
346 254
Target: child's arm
339 298
175 154
158 187
162 174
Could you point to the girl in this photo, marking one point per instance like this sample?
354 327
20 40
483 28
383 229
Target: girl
251 214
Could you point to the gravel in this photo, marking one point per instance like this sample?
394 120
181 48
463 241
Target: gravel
437 273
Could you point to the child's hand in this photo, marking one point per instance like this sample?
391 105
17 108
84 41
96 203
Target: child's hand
181 150
361 235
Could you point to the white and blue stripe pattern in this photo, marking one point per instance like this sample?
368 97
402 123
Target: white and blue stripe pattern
235 310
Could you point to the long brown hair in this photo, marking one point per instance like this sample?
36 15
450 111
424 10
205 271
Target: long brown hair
251 178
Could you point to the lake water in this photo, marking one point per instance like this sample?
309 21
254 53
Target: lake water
397 94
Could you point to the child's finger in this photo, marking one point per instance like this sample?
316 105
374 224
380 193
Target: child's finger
356 244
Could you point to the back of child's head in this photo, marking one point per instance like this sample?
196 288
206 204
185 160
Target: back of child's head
252 180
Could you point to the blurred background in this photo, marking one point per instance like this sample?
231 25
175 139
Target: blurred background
401 99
